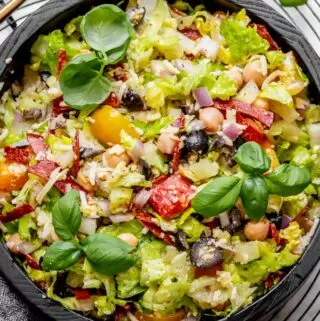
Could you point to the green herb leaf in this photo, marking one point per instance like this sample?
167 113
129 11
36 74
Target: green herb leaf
218 196
107 254
117 54
66 216
106 28
252 158
60 256
83 84
254 196
288 180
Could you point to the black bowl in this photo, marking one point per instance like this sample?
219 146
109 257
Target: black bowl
55 14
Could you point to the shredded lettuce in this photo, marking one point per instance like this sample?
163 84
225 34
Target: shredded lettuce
134 227
155 128
312 115
120 198
278 93
193 228
154 158
275 59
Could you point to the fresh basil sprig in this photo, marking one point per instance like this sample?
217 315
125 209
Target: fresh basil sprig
254 189
108 31
108 255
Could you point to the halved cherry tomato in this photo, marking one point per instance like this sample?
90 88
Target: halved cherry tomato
208 272
82 294
108 124
12 176
178 316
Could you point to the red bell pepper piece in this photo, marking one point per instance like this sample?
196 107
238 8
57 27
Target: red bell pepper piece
264 116
43 168
31 261
20 155
144 217
172 196
66 184
82 294
274 234
263 32
17 213
76 152
208 272
180 122
178 12
272 277
62 60
302 213
112 100
37 143
176 157
58 109
253 132
192 34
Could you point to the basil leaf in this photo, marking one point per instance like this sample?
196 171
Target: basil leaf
105 28
288 180
83 84
254 195
60 256
66 216
252 158
117 54
218 196
107 254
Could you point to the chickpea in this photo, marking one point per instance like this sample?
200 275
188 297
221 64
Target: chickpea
236 75
257 231
113 160
83 180
253 71
129 238
167 142
261 103
212 119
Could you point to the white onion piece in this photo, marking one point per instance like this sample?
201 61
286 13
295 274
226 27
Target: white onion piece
203 97
184 65
273 76
208 47
301 103
142 198
314 133
85 305
119 218
232 131
27 247
137 152
149 5
88 226
249 93
196 125
3 228
104 205
224 219
187 45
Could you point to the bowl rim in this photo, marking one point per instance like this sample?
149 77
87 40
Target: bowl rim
278 26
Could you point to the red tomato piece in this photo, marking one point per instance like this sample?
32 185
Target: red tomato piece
264 116
37 143
112 100
43 168
254 130
17 213
19 155
66 184
180 122
274 234
192 34
76 151
158 233
31 261
208 272
172 196
82 294
178 12
62 60
58 109
263 32
176 158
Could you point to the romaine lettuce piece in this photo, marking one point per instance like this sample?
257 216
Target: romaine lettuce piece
155 128
134 227
128 283
120 198
278 93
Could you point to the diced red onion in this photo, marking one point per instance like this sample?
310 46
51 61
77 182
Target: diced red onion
104 205
137 152
224 219
232 131
142 198
203 97
88 226
119 218
285 221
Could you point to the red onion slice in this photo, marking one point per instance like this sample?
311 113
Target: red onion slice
285 221
142 198
203 97
137 152
232 131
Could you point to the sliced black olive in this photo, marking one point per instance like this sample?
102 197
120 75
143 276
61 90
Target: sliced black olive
61 288
217 143
136 15
238 142
235 221
181 241
89 152
144 169
45 75
275 219
196 141
228 153
32 114
132 100
205 254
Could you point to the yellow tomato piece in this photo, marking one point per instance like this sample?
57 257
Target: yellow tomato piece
108 124
12 176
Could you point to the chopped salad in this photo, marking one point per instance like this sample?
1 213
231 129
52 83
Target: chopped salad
159 162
